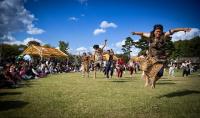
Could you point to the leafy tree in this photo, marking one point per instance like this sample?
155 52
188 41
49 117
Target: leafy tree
10 52
123 56
127 47
74 60
33 43
142 44
195 46
187 48
169 47
48 46
64 47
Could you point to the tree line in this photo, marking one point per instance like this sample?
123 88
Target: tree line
177 49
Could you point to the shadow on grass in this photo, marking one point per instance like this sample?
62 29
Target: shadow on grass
127 77
27 83
6 105
165 80
10 93
180 93
166 83
121 81
23 84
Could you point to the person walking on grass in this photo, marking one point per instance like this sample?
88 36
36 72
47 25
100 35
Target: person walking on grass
171 70
185 68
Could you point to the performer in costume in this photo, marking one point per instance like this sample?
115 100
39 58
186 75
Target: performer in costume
120 67
131 67
157 55
85 64
109 64
98 57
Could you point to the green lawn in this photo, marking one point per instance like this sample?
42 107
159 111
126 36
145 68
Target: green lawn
69 95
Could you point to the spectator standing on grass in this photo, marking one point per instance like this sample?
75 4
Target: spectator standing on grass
171 70
185 68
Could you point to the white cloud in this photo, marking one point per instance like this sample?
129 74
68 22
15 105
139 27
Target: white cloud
73 18
11 40
25 42
91 49
135 51
8 37
118 49
34 30
15 18
14 42
32 39
119 52
81 49
106 24
70 50
188 35
103 26
120 43
99 31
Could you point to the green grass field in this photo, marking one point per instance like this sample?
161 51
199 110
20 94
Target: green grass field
69 95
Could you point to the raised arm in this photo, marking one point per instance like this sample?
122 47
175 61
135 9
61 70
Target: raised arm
112 52
93 56
141 34
104 44
137 33
172 31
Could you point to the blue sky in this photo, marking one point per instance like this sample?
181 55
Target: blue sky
75 21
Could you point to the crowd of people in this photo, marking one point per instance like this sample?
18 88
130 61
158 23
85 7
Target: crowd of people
13 74
187 68
108 67
106 62
152 65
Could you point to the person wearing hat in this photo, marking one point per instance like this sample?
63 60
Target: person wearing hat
156 52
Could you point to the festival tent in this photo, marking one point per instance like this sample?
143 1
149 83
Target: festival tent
43 51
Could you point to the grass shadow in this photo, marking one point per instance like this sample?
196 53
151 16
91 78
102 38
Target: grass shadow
10 93
127 77
165 80
23 84
166 83
180 93
120 81
27 83
6 105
